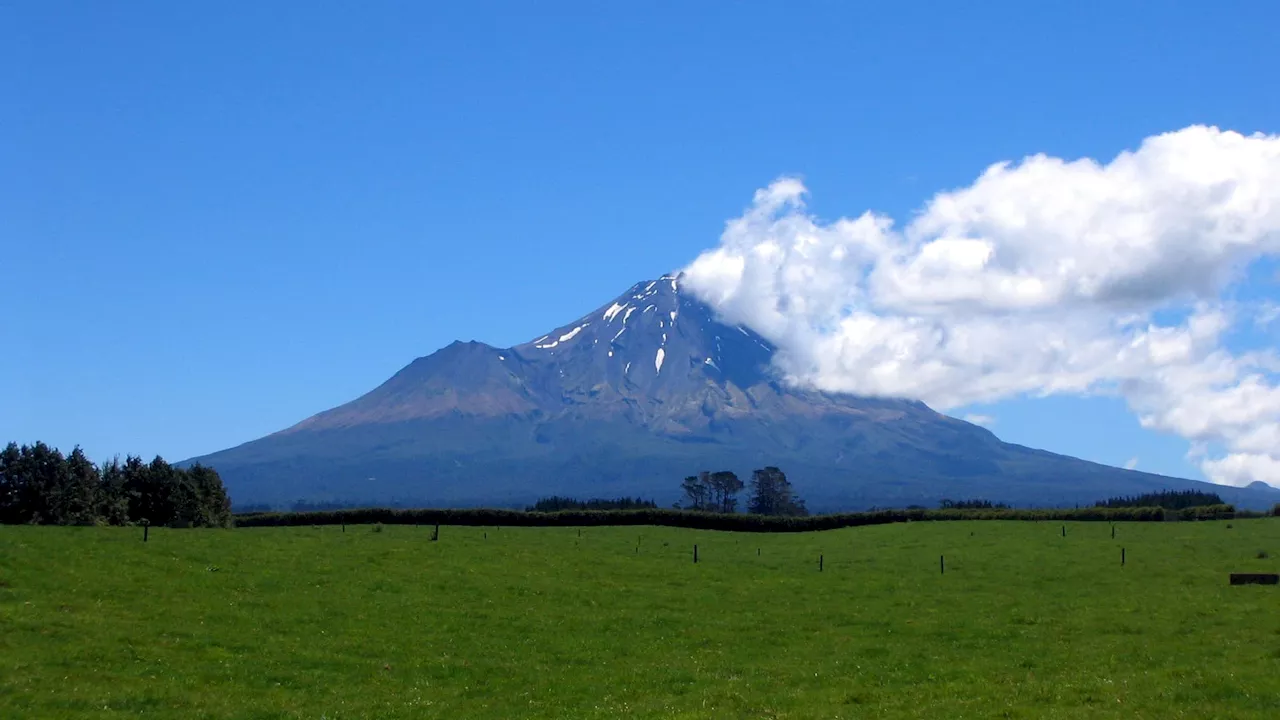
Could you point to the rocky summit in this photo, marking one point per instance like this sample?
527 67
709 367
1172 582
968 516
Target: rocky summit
629 399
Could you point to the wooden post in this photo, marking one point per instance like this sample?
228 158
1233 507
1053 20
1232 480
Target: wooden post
942 565
819 563
695 554
757 552
436 535
145 528
1121 557
486 536
344 527
1064 531
1113 532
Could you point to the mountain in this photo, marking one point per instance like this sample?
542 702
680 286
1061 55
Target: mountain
628 400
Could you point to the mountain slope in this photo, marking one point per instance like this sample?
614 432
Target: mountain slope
630 398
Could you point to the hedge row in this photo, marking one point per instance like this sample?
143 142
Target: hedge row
1207 512
707 521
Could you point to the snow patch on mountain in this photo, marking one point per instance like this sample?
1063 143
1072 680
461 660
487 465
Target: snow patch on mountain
572 333
563 338
613 311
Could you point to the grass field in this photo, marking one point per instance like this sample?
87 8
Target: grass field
539 622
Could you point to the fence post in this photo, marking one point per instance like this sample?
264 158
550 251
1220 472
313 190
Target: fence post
819 563
145 528
695 554
436 535
942 565
1113 532
1064 531
1121 557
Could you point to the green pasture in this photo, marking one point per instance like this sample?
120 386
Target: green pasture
381 622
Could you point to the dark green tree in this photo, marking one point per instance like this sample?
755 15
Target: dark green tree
10 483
772 494
113 500
213 505
138 492
78 499
171 499
42 470
726 487
696 493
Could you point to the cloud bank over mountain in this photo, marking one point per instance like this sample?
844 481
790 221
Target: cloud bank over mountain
1043 276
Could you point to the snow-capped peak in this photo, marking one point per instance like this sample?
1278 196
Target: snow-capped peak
651 336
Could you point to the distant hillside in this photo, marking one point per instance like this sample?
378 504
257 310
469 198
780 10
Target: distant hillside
629 399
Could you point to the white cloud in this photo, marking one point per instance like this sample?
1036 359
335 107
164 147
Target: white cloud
1244 468
976 419
1041 277
1268 312
1131 463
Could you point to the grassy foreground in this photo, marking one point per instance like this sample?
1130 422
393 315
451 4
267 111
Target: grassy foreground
539 622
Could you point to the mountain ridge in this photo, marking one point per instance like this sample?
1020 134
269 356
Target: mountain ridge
629 398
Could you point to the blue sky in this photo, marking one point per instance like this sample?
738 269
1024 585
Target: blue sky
220 220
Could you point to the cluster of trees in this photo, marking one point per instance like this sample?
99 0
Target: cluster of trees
712 491
39 485
1167 499
770 493
555 503
971 505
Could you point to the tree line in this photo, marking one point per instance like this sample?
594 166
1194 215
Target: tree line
946 504
1167 499
556 503
41 486
717 492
